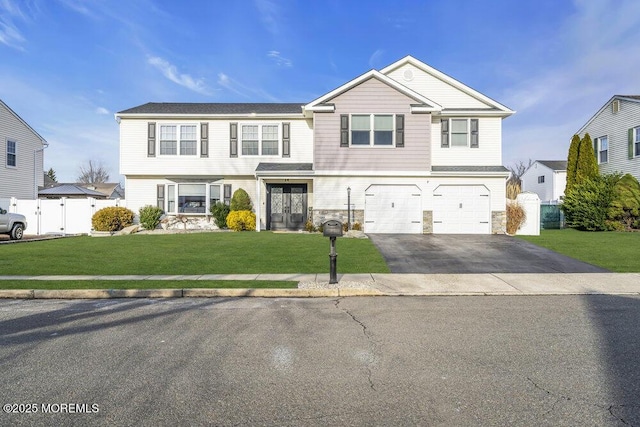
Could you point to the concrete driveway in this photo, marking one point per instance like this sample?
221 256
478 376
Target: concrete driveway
448 253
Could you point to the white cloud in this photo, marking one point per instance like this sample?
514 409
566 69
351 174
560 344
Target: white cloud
269 14
279 59
102 111
374 59
171 72
9 33
246 92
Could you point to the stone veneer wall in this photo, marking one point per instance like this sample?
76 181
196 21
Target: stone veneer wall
427 222
318 216
498 222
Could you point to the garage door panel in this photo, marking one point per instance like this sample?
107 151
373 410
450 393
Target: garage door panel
461 209
393 209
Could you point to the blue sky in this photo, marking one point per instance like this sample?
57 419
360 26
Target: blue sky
66 66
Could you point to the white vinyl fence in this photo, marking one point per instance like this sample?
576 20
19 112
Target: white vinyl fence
58 216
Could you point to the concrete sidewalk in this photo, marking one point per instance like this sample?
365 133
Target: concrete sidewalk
317 285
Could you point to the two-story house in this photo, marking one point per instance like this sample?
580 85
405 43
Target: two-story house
21 156
412 149
615 131
546 178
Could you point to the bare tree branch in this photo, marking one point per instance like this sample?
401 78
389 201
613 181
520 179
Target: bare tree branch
93 173
517 170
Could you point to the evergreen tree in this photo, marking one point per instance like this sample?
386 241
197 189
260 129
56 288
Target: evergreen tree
572 162
240 201
52 174
587 166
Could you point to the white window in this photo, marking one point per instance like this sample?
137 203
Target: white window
11 153
169 141
602 149
372 129
541 179
636 139
190 198
459 133
260 139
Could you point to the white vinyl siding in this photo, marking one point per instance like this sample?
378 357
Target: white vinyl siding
488 152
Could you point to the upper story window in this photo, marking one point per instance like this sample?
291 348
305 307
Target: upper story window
636 141
541 179
260 139
174 136
601 146
459 133
11 153
372 129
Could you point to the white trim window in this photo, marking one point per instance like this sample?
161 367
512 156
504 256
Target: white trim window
541 179
601 146
262 139
372 130
188 198
187 141
636 141
12 153
459 132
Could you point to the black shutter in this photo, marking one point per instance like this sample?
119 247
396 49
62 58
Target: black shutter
233 140
204 139
160 196
286 142
344 130
227 194
444 124
631 143
400 130
151 139
474 133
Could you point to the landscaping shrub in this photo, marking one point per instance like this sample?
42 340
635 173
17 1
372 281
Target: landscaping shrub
240 201
356 226
624 211
516 216
112 219
241 220
220 212
308 226
150 216
586 206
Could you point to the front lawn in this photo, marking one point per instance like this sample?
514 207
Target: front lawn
193 253
615 251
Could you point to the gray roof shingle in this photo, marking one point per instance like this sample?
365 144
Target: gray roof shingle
556 165
215 108
284 167
469 169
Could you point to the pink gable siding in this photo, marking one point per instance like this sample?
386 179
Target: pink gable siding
372 96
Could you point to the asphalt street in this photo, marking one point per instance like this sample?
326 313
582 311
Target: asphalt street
517 361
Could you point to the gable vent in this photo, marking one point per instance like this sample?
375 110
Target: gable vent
615 106
408 74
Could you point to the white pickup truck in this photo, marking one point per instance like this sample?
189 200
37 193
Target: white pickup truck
12 224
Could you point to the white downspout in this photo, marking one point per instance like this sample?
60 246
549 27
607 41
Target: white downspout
35 169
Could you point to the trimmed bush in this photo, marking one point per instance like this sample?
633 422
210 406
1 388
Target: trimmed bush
113 218
219 211
516 216
586 206
240 201
308 226
356 226
624 211
150 216
241 220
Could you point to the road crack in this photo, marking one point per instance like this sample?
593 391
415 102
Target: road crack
367 334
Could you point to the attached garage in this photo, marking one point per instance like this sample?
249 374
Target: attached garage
393 209
461 209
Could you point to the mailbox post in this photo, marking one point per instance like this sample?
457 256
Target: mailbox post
332 229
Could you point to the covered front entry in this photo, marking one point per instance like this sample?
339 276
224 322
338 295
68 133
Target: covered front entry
286 206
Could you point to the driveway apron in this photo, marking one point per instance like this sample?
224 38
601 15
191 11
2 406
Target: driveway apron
462 254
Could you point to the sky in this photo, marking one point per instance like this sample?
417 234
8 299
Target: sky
66 66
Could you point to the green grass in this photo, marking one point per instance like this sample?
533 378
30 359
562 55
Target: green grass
193 253
145 284
615 251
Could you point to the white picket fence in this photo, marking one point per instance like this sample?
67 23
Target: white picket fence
58 216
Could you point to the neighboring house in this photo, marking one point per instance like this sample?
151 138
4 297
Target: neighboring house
546 178
418 151
615 131
21 156
108 190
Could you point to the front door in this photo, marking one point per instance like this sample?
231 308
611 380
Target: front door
287 206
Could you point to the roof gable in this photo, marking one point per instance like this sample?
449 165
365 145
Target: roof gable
44 141
627 98
482 102
323 103
555 165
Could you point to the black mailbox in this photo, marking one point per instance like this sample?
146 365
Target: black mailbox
332 228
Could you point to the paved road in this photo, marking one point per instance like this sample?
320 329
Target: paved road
466 253
517 361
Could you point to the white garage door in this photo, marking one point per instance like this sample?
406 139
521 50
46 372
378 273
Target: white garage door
461 209
393 209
